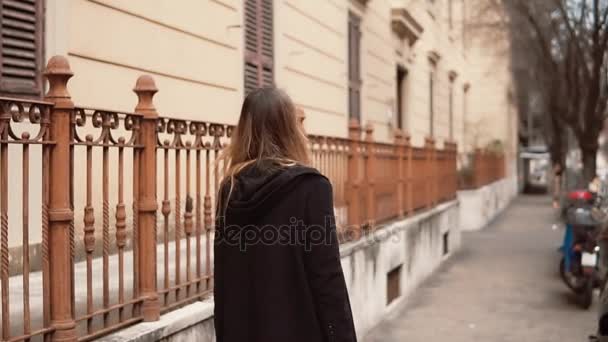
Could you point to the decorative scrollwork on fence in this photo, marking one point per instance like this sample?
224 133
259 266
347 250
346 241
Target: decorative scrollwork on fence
107 128
20 111
184 134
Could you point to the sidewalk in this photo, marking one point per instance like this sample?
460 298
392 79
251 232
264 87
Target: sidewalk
502 286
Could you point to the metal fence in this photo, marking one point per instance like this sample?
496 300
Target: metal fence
485 167
123 204
375 182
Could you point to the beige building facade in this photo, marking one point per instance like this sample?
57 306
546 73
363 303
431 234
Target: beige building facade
449 87
413 65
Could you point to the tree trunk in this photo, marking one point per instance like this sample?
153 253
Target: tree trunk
556 143
589 165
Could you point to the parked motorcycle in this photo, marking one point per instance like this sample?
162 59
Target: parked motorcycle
584 216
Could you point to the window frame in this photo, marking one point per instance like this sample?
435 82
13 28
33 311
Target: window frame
402 74
258 59
9 88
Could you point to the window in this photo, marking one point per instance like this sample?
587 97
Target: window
432 99
401 77
21 24
354 66
259 44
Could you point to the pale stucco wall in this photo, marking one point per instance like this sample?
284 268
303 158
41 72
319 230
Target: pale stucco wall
492 113
311 61
195 52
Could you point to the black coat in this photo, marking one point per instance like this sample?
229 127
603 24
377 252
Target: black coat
277 272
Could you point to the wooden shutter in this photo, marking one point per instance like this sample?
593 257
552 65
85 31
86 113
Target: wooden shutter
21 26
354 66
259 44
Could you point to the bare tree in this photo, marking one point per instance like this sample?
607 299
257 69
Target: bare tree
559 50
570 41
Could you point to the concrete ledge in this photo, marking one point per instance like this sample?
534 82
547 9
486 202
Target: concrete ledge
479 207
193 322
385 231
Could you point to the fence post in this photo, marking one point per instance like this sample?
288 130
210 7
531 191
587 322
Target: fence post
477 168
454 168
400 172
410 180
61 215
430 169
354 185
370 163
503 166
147 202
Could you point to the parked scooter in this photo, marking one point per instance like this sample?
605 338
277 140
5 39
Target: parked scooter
584 215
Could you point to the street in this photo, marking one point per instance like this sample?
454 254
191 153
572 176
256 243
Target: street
503 285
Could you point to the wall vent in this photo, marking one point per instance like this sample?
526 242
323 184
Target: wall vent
393 284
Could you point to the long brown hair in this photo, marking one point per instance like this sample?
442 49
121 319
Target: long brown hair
268 129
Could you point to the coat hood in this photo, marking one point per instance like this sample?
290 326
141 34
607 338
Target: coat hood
260 185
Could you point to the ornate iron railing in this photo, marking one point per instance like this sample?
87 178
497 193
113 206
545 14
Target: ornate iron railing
122 206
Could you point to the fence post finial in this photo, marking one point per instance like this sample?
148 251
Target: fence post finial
369 132
147 204
145 88
354 129
58 73
398 136
59 201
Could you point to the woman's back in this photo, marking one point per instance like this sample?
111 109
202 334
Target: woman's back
277 265
278 276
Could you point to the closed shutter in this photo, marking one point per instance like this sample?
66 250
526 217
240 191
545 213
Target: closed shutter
21 55
259 44
354 66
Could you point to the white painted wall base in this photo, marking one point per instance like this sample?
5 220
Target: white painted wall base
480 206
415 245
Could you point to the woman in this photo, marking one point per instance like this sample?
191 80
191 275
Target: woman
277 264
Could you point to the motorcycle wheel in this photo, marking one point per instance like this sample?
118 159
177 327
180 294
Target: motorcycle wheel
572 286
562 272
585 296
